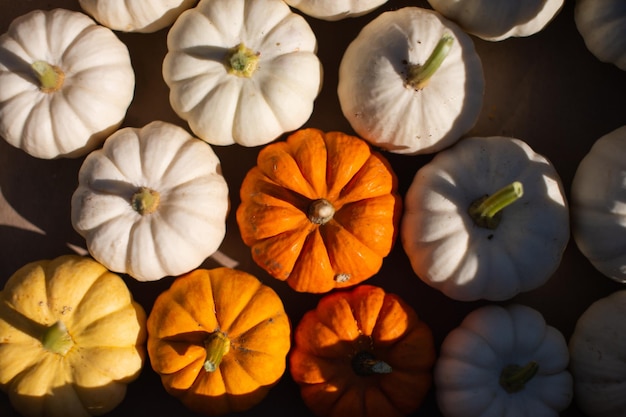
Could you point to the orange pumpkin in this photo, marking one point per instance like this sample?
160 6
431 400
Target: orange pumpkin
363 353
219 340
319 210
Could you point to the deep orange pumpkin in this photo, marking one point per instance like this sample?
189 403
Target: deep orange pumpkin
319 210
362 353
219 340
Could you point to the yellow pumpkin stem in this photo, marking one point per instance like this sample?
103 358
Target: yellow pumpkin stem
321 211
514 377
487 210
242 61
216 345
145 200
418 75
50 76
364 364
57 339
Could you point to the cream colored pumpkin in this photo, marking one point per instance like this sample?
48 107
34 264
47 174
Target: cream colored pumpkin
496 20
136 15
411 82
242 71
72 338
333 10
152 202
65 83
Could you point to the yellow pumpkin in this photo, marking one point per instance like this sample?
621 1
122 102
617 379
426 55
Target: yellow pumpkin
71 338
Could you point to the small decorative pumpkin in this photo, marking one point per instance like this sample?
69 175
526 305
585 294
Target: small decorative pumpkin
597 360
411 82
500 20
598 194
242 71
152 202
65 83
333 10
136 15
503 361
362 353
319 210
72 338
219 340
602 24
485 219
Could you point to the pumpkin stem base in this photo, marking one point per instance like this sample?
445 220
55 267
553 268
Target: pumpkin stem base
50 76
242 61
487 210
418 76
321 211
514 377
145 201
364 364
216 345
57 339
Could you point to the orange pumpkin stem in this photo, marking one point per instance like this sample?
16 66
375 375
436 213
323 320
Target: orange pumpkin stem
364 364
321 211
57 339
50 76
216 345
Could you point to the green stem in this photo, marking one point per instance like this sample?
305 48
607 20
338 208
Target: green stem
242 61
321 211
418 75
514 377
50 77
487 211
364 364
57 339
216 345
145 201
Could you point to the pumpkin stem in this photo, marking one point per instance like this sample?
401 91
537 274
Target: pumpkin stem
57 339
216 345
145 200
50 76
321 211
418 75
364 364
514 377
487 210
242 61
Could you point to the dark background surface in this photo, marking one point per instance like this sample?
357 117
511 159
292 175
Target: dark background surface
546 89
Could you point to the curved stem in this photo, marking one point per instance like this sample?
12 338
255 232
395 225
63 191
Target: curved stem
418 75
216 345
321 211
487 211
145 201
364 363
50 77
242 61
514 377
57 339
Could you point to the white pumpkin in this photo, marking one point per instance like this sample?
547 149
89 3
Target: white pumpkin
333 10
602 24
598 205
65 83
136 15
411 82
470 246
152 202
242 71
496 20
597 362
503 361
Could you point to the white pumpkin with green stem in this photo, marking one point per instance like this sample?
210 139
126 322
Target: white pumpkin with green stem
136 15
597 347
65 83
333 10
485 219
242 71
503 361
500 19
602 24
152 202
411 82
598 202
